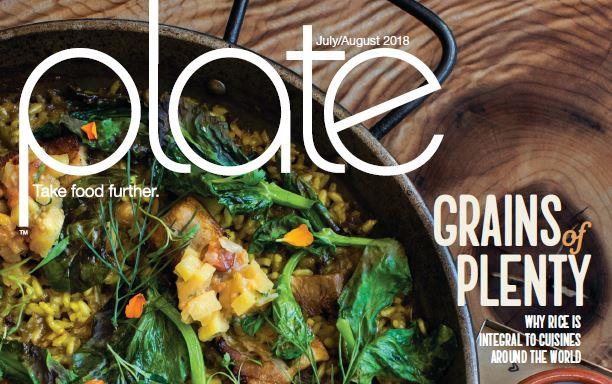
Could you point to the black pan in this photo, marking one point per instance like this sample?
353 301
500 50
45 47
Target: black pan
394 200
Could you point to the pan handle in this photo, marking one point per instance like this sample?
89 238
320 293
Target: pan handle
413 7
234 22
442 71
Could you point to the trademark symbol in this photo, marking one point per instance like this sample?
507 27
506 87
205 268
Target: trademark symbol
24 232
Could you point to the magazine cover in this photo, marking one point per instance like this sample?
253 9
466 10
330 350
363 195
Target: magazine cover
305 192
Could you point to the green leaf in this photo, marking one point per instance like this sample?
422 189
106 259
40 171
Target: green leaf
194 349
48 131
28 364
76 268
294 335
407 354
240 194
251 324
209 138
112 124
62 374
158 348
381 274
111 130
207 134
11 367
57 250
158 344
129 372
92 360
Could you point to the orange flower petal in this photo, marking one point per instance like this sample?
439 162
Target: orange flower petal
299 237
95 381
135 306
91 130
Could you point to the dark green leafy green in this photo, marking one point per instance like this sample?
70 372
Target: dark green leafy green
381 274
92 360
75 268
11 366
208 136
112 122
194 349
111 125
57 250
158 348
267 234
26 363
251 324
57 372
294 335
251 193
129 373
49 130
407 354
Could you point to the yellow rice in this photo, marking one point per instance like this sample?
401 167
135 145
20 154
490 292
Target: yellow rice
61 322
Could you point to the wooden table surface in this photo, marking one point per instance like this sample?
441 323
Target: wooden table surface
527 108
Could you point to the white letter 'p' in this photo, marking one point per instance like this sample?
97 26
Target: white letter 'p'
27 139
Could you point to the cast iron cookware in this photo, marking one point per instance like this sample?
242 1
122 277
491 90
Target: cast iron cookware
393 200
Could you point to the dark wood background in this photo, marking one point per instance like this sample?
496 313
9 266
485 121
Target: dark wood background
527 108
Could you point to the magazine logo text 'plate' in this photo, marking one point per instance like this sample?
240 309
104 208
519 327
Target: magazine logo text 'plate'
280 142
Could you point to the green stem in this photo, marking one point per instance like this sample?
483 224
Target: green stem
284 288
286 198
329 236
284 281
344 328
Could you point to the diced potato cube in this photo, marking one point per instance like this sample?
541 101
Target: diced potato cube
206 273
243 303
190 263
202 305
212 326
183 292
238 283
197 284
258 279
